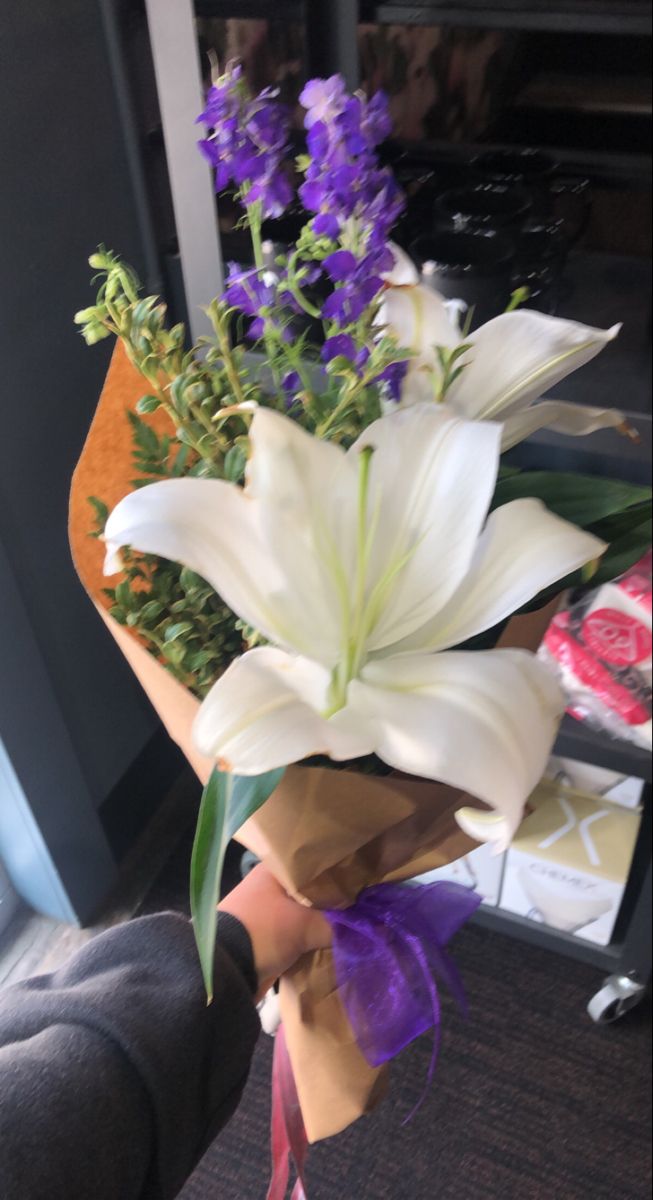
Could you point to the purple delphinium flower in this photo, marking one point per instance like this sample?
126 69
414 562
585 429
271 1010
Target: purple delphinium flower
254 296
246 291
291 382
341 345
323 99
247 142
393 377
340 265
354 199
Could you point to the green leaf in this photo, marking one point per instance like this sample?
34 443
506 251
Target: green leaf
124 594
144 437
148 404
173 632
618 524
582 499
151 611
235 461
179 465
101 512
623 553
227 802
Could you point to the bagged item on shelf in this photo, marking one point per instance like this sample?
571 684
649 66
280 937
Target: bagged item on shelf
569 863
480 869
625 790
600 648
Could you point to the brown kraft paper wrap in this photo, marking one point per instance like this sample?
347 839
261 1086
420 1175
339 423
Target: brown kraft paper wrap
325 834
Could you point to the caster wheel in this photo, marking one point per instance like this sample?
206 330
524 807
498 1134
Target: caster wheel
618 995
247 863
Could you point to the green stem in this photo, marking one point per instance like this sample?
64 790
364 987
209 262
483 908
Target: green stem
254 219
296 291
297 363
225 351
348 396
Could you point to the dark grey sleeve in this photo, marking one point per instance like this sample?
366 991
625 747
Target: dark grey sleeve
115 1074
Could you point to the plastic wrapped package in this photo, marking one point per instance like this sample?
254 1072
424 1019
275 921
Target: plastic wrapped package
600 649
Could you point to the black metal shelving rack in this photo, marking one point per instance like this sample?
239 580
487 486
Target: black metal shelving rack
332 46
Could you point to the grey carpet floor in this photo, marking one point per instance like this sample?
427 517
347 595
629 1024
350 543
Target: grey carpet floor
531 1101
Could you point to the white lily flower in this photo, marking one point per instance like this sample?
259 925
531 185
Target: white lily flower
363 568
512 360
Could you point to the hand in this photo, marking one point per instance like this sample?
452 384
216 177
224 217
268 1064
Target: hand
280 929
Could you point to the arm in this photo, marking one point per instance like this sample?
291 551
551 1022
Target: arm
114 1073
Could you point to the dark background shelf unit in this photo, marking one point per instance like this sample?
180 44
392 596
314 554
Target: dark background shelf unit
565 16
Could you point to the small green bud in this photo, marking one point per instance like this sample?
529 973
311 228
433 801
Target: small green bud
101 261
94 332
86 314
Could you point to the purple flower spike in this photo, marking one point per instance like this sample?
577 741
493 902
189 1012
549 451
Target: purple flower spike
341 345
247 143
347 189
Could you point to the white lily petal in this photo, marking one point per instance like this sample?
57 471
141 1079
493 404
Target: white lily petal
429 513
264 712
571 419
213 528
524 548
420 383
484 722
417 318
307 493
517 357
404 272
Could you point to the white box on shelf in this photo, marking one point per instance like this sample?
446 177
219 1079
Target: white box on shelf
625 790
480 869
569 862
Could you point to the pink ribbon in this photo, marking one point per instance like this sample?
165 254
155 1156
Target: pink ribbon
289 1140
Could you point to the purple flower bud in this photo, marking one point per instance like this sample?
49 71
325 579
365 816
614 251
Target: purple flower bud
312 195
341 345
340 265
291 382
256 329
393 378
326 225
317 140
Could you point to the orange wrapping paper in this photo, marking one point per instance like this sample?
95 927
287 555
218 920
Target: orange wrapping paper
325 834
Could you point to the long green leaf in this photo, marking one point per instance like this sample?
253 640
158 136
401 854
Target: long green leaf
227 802
582 499
623 553
615 526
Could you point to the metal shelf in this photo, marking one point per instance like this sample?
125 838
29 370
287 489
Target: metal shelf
578 741
280 10
548 16
500 921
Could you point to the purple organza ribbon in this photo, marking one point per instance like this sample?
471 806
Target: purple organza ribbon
389 950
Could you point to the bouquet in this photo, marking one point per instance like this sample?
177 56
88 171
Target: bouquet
314 552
